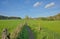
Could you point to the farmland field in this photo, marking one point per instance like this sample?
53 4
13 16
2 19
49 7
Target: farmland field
29 19
9 24
49 29
41 29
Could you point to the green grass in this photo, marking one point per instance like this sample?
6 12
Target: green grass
50 29
23 34
9 24
51 25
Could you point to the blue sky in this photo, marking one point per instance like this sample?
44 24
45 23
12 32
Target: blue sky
32 8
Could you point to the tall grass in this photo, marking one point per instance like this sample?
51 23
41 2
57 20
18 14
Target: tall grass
9 24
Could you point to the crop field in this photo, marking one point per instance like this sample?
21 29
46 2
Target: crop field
45 29
9 24
29 19
35 29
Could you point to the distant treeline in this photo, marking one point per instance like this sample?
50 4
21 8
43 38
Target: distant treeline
55 17
6 17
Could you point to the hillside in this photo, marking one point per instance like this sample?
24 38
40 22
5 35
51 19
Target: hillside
55 17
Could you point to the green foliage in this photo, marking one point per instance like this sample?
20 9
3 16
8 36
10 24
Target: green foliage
40 28
9 24
50 18
6 17
49 29
23 34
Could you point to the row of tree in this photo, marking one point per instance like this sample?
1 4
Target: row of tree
55 17
6 17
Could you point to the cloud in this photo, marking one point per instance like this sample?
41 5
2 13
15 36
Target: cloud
50 5
37 4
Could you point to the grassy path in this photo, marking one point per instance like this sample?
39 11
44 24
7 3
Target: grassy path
31 36
26 33
17 30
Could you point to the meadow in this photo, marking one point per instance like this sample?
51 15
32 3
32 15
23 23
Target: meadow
45 29
41 29
9 24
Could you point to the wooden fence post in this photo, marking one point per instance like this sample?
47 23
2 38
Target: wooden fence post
5 34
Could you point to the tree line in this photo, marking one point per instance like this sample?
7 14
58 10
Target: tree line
6 17
55 17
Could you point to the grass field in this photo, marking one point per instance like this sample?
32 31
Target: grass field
51 25
9 24
49 29
41 29
23 34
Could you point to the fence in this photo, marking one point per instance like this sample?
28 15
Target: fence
5 34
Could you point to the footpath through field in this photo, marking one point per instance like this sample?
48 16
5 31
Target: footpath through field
26 33
31 36
17 30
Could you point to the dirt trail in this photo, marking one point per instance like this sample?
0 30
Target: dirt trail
30 33
17 30
31 36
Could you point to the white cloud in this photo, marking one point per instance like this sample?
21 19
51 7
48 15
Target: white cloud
37 4
50 5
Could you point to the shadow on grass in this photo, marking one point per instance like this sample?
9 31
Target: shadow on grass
26 33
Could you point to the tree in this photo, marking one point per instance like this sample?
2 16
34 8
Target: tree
26 17
6 17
